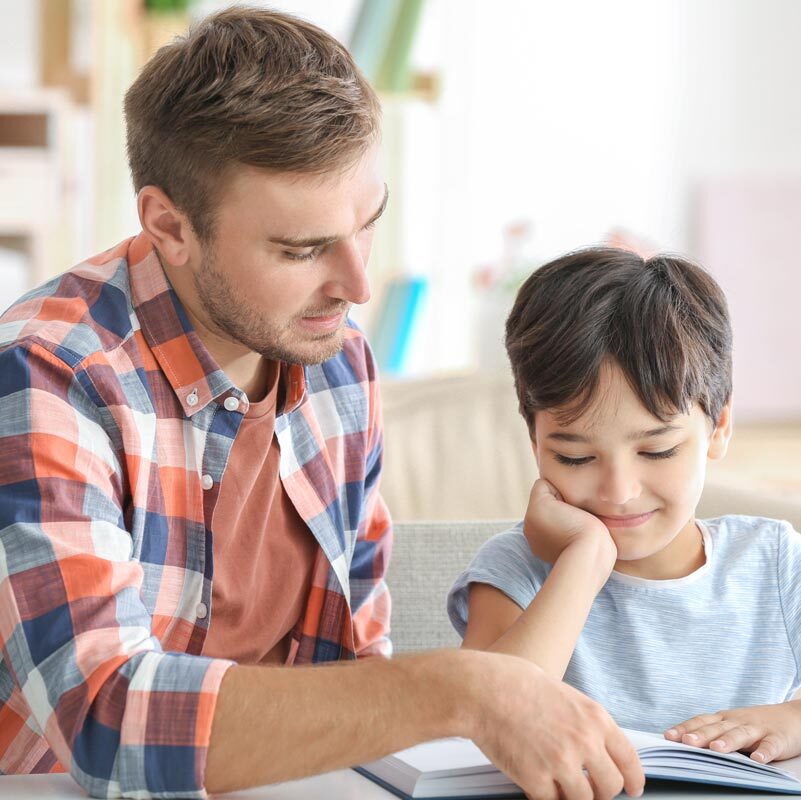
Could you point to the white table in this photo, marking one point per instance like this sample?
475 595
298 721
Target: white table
342 785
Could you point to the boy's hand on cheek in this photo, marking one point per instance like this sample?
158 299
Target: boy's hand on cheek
768 733
552 526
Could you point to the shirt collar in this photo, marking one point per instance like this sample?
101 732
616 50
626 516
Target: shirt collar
194 375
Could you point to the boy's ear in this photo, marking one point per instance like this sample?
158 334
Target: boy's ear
719 441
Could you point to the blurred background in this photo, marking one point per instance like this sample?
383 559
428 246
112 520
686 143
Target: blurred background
514 130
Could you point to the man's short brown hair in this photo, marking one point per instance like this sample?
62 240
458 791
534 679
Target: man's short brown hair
664 321
246 86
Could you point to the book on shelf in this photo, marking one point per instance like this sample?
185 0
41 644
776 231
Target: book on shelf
456 768
382 40
395 322
371 35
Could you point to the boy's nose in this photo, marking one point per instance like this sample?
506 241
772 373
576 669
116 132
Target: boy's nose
619 486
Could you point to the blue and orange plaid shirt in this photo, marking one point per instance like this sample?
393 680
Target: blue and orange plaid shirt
111 412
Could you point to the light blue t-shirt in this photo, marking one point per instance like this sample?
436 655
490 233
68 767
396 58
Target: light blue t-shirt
655 653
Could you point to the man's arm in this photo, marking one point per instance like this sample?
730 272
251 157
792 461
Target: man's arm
121 715
276 724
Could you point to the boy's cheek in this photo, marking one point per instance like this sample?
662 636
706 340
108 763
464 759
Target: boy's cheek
569 486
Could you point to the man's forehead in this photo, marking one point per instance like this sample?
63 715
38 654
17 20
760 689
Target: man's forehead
291 204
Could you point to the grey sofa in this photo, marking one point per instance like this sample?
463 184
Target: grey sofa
426 559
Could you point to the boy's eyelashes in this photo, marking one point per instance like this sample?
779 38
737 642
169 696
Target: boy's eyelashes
651 456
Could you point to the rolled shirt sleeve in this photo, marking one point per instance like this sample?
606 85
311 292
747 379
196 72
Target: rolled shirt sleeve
125 718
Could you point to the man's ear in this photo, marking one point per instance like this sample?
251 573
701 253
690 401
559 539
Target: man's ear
168 228
719 441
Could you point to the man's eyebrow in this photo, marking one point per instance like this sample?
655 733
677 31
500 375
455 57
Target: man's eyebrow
322 241
564 436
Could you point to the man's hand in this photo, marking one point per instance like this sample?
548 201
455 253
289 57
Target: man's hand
551 526
766 732
543 734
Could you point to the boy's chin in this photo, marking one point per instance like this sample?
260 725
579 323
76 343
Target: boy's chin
634 551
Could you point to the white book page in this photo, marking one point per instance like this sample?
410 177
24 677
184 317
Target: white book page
444 755
649 741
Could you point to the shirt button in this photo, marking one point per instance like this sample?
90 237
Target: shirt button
231 403
201 611
192 398
207 482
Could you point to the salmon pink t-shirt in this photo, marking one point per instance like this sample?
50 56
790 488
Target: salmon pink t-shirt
263 551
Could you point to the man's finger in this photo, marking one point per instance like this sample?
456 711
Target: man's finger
605 777
625 758
574 785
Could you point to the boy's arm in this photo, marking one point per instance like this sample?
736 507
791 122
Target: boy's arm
547 631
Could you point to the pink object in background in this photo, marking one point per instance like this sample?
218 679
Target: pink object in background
749 238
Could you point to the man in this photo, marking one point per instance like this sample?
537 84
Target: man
191 450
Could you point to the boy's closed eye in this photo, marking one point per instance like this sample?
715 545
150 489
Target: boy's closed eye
579 461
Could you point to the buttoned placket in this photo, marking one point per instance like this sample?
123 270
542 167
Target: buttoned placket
232 405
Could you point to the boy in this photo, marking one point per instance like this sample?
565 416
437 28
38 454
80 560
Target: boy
623 371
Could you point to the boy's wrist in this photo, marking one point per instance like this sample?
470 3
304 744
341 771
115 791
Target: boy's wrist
594 554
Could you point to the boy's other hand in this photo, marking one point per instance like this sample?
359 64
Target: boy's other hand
768 732
551 526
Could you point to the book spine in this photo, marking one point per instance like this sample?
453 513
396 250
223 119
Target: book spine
414 290
371 35
393 75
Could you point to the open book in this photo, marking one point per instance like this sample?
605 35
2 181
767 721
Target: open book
451 768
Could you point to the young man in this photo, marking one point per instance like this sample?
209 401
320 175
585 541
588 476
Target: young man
191 451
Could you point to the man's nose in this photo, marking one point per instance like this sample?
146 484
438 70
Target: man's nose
349 280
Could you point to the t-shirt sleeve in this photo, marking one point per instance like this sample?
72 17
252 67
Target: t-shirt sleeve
506 562
789 570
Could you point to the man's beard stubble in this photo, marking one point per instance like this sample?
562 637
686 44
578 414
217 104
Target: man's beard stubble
239 322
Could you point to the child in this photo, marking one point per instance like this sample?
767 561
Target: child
623 372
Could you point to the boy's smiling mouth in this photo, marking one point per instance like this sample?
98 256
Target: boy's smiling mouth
628 521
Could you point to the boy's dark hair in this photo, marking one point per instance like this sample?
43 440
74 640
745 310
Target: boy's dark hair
664 321
245 86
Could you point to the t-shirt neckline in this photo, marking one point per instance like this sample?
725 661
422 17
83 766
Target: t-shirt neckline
673 583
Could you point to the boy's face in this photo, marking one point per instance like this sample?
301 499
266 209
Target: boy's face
641 477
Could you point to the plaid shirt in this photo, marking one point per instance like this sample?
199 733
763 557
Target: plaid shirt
113 421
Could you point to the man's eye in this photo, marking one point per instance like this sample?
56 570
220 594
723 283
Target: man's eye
662 454
572 462
301 256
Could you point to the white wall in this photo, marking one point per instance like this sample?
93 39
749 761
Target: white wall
584 116
19 45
